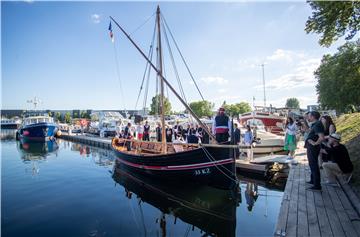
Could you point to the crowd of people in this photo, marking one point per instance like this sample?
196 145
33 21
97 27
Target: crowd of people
323 148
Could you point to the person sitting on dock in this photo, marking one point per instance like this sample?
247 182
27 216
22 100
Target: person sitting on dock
339 164
146 133
221 126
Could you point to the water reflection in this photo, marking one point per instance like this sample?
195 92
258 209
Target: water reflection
134 204
7 134
36 150
99 156
207 210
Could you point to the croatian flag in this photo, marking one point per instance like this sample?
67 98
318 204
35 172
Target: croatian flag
111 33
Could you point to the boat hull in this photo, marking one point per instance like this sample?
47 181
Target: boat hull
213 167
10 126
38 132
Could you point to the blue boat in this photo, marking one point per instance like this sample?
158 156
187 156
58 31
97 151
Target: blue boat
37 126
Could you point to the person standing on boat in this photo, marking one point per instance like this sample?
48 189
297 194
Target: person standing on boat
312 144
158 132
169 134
127 135
176 129
192 138
139 131
248 140
221 126
237 137
146 134
290 137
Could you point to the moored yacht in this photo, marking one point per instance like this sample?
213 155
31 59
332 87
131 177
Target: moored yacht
37 126
10 123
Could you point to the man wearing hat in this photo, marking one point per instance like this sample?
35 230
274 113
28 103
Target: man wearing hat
340 163
221 126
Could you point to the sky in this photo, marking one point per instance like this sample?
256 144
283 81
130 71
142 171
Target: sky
61 53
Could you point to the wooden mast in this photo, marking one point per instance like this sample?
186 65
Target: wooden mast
160 72
206 129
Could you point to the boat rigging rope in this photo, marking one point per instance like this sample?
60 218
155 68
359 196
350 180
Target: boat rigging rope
143 79
118 75
211 158
147 67
173 63
140 26
182 57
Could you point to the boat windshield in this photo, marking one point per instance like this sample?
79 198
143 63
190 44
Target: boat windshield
28 121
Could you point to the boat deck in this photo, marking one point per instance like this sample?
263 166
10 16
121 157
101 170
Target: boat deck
313 213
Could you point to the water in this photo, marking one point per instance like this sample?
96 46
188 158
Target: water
69 189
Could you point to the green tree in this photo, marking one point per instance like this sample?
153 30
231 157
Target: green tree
202 108
292 103
235 110
58 116
50 114
338 78
334 19
155 105
67 117
84 114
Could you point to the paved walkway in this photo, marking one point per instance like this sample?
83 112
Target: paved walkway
314 213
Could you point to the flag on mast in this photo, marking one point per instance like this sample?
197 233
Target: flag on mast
111 33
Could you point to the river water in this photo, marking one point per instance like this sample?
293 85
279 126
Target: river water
70 189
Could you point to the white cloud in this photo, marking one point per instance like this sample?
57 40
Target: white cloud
28 1
95 18
285 55
222 90
301 76
214 80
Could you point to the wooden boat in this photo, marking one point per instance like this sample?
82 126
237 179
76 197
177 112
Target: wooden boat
175 162
182 162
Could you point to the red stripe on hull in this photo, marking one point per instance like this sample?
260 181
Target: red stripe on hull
178 167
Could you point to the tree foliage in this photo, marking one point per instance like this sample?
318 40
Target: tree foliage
84 114
334 19
58 116
202 108
292 103
155 106
236 109
338 78
67 117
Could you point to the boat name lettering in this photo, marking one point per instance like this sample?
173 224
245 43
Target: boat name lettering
202 171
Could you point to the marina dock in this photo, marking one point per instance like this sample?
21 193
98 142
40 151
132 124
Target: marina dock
89 140
331 212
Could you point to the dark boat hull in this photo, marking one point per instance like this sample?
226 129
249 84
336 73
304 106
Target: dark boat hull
38 132
213 167
9 126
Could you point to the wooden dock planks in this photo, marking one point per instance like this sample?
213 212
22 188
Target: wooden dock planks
312 213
